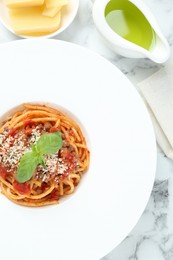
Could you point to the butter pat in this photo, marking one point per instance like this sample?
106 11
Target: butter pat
52 11
30 21
55 3
23 3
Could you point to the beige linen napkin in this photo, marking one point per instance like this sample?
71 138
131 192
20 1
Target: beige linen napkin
157 91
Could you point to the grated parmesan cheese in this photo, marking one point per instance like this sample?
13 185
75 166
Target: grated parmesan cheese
12 148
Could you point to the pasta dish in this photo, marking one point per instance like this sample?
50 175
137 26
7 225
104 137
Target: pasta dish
43 155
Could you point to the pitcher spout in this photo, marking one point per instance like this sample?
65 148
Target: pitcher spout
160 52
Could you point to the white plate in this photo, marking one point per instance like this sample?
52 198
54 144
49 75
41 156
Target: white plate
68 14
114 192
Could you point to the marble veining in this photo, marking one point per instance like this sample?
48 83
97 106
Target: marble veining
152 237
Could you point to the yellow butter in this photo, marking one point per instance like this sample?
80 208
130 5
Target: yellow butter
52 11
55 3
30 21
23 3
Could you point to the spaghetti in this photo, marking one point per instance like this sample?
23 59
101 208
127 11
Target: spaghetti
63 169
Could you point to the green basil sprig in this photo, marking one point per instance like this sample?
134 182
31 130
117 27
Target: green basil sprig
48 143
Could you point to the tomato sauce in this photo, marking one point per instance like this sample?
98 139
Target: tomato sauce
3 172
22 188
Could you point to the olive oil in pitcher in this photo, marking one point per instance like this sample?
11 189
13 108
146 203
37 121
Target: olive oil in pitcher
129 22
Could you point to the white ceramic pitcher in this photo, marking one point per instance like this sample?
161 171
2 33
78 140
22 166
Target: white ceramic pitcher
159 52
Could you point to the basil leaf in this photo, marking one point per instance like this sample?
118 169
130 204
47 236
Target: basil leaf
34 149
41 161
28 164
49 143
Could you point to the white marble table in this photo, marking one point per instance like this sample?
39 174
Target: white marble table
152 237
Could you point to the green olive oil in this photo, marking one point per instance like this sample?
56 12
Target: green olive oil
129 22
